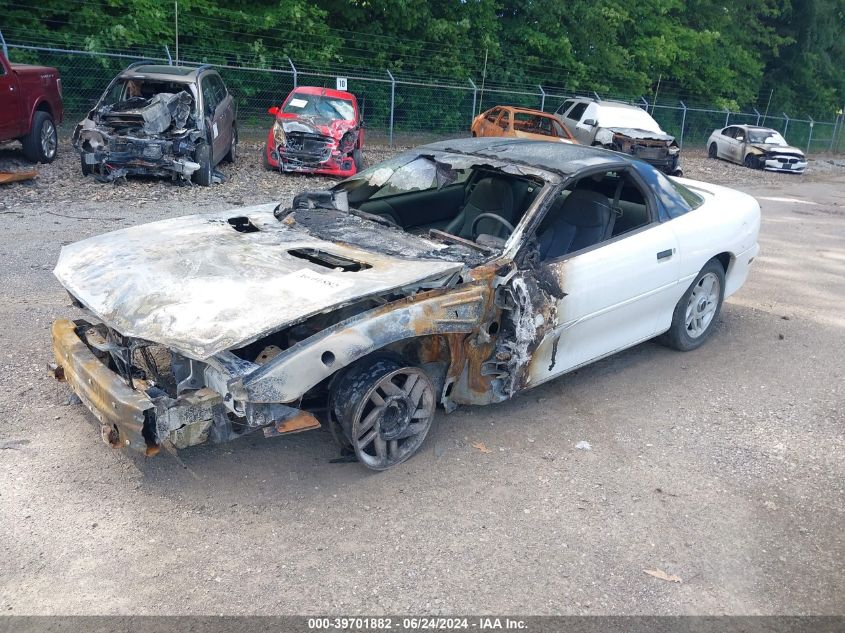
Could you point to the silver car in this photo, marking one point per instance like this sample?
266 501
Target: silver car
756 148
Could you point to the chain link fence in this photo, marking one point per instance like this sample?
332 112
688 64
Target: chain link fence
400 109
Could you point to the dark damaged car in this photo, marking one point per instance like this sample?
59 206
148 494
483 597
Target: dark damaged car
623 128
177 121
316 131
458 273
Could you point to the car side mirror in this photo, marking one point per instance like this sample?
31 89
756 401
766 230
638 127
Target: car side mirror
591 122
274 111
740 138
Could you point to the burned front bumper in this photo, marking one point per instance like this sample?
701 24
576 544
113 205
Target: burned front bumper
111 156
142 417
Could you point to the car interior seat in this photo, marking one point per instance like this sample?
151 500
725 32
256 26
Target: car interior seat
584 218
490 195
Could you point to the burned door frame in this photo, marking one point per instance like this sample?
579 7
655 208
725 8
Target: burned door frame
571 332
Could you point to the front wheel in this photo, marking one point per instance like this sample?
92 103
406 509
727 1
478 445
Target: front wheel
698 309
42 142
385 409
202 155
233 147
358 159
87 169
751 162
712 151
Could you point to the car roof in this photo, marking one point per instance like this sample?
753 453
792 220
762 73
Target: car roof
756 128
328 92
527 110
162 71
562 158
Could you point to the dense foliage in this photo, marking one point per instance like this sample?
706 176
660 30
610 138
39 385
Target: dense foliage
734 54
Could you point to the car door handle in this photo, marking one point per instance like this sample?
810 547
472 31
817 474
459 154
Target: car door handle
664 255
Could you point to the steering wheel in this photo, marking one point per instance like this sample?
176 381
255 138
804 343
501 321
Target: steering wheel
491 216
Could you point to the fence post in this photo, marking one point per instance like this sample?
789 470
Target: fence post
3 44
293 68
596 94
643 99
542 98
683 122
392 103
810 136
474 97
169 58
758 116
727 116
785 127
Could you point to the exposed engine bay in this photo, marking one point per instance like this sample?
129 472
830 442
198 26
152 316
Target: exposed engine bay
141 127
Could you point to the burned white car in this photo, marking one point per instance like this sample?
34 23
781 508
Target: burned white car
177 121
756 148
458 273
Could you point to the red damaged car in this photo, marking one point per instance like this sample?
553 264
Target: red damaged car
318 131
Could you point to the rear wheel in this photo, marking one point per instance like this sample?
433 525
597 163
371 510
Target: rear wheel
712 151
202 155
385 409
697 311
42 142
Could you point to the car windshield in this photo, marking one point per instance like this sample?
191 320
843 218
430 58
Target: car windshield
769 137
611 116
403 174
320 106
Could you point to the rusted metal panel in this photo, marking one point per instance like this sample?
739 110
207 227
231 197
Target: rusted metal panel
111 400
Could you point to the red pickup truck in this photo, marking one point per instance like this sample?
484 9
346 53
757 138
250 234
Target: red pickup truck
30 108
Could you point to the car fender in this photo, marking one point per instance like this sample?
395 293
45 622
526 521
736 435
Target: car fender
296 370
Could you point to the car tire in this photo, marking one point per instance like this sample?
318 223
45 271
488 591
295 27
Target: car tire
358 159
42 142
231 155
697 310
751 162
266 161
712 151
385 409
87 169
202 155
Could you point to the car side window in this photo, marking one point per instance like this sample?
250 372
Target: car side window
209 94
563 107
739 134
493 114
729 132
505 119
577 112
219 88
591 211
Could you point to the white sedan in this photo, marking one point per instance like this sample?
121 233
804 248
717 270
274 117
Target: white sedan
756 148
461 272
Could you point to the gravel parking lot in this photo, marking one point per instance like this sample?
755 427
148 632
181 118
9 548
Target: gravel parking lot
723 466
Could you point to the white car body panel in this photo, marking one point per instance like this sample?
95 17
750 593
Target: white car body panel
619 294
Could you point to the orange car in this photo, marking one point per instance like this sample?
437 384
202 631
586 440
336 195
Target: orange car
521 123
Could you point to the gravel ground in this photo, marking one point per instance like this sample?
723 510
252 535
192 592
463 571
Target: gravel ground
723 466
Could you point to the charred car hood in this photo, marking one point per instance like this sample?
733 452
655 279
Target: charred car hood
316 125
777 149
201 284
632 132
